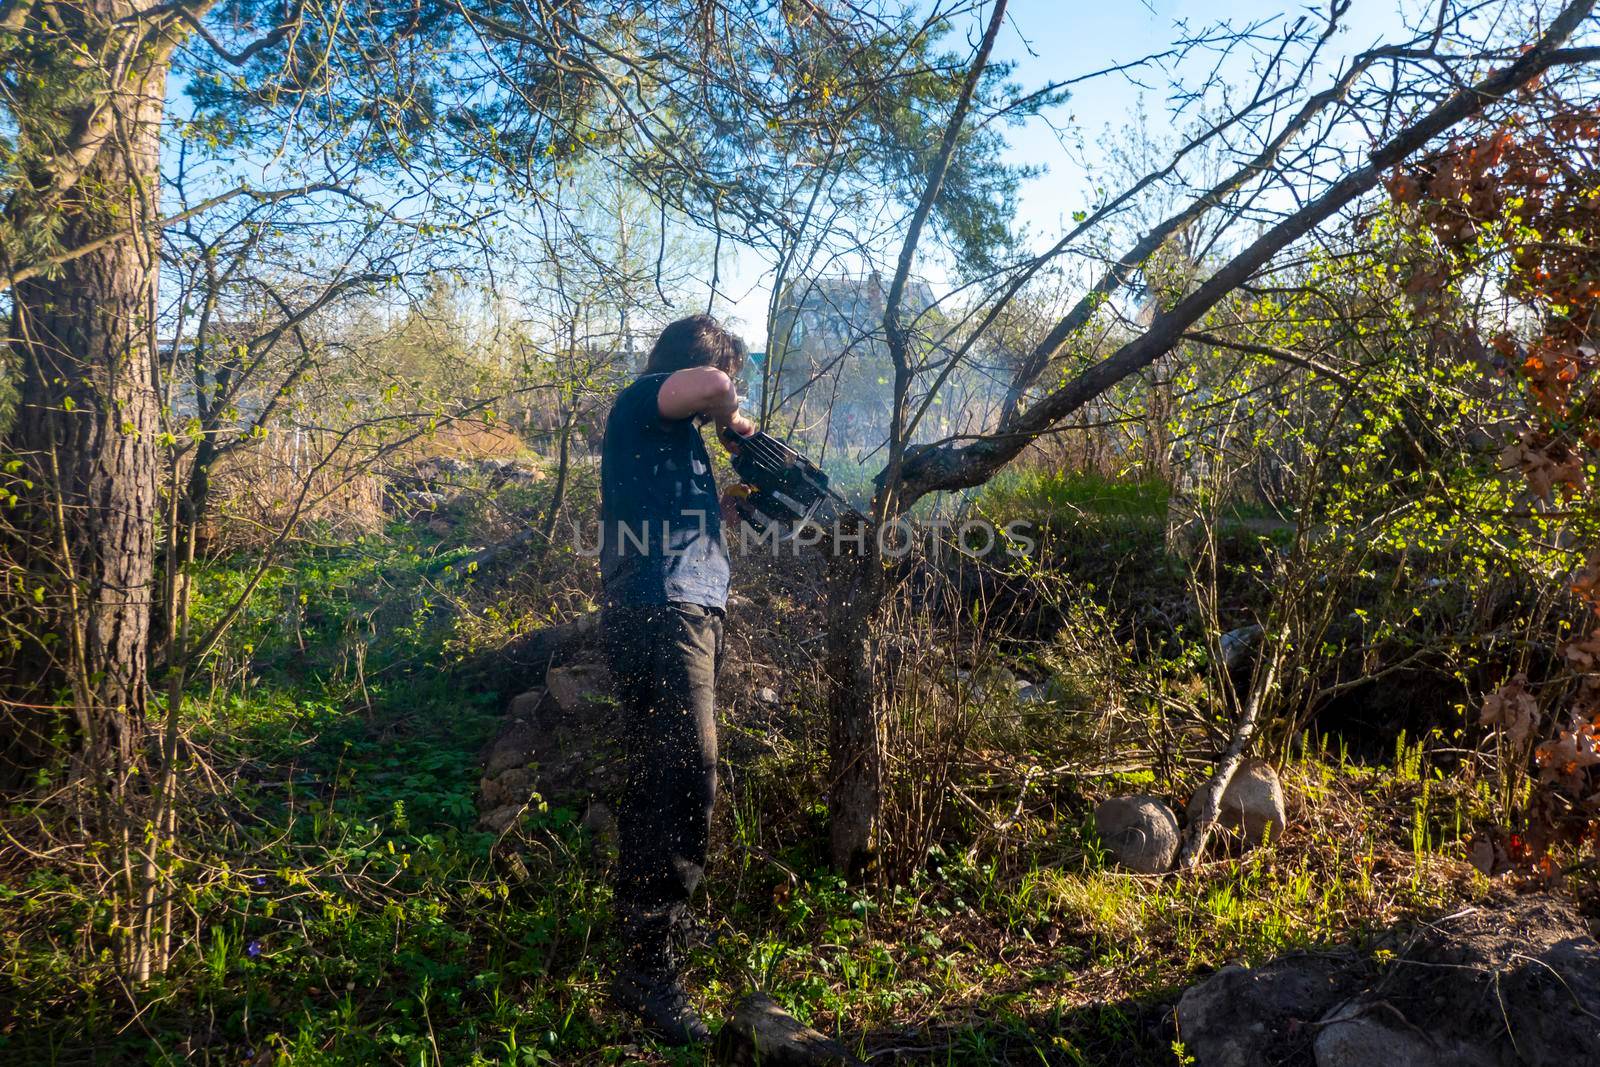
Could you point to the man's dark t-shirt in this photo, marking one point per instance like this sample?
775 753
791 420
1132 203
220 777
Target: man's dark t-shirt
660 523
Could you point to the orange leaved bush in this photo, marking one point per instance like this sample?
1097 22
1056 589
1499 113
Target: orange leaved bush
1521 202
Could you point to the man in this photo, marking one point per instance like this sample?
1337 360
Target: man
665 571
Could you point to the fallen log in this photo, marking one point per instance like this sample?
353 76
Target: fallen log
761 1032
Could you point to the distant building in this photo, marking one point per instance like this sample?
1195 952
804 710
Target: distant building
828 370
213 375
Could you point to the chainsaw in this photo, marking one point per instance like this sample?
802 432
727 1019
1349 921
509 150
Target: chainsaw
781 487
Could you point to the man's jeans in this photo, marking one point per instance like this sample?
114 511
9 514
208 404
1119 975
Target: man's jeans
664 660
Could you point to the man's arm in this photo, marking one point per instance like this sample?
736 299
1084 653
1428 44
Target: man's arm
702 391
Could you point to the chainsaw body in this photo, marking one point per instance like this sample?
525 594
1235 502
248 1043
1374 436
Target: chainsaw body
781 487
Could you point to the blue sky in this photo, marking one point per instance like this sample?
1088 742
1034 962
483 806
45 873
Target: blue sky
1050 40
1047 41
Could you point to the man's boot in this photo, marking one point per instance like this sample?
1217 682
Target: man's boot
649 984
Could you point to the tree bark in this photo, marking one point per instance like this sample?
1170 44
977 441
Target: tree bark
855 756
558 495
85 434
1193 849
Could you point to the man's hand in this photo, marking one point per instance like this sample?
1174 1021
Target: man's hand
737 422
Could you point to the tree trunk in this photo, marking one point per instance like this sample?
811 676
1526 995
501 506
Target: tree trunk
85 433
195 499
558 495
855 590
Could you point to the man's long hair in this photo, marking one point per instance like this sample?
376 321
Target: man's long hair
696 341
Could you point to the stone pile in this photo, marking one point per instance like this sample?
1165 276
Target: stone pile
559 746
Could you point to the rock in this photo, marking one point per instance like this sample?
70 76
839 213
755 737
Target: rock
521 473
500 819
767 695
1354 1036
513 748
1254 801
1517 983
514 786
520 665
419 500
1032 693
1244 1016
1520 981
761 1032
577 687
988 682
598 818
524 705
1238 645
601 823
1140 831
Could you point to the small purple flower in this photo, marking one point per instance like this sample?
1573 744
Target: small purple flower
253 949
261 879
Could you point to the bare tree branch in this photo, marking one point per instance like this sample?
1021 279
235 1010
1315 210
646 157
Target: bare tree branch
951 466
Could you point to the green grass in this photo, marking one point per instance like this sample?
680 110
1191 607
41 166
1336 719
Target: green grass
1046 495
341 908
